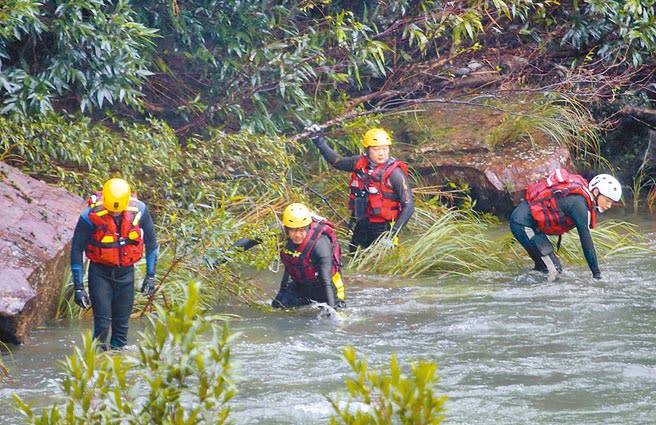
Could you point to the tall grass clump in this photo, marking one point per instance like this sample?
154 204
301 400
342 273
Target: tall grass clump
448 241
613 240
388 396
558 118
4 370
180 375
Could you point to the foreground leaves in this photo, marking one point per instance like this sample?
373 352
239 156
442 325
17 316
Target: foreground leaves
389 396
179 375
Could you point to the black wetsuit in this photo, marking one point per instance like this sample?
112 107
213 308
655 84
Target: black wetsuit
538 246
365 232
295 294
111 288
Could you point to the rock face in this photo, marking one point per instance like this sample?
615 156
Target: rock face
35 234
469 146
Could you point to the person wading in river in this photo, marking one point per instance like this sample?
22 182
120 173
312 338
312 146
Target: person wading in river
112 231
380 196
312 260
556 205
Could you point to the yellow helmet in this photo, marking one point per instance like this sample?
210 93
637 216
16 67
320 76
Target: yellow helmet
296 215
376 137
116 195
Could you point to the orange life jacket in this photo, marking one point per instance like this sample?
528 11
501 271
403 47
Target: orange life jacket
298 263
383 204
111 246
542 197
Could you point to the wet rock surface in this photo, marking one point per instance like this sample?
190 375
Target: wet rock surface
465 148
35 234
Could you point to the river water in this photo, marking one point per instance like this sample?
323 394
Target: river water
511 348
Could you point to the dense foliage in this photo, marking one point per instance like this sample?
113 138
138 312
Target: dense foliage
88 53
277 67
203 197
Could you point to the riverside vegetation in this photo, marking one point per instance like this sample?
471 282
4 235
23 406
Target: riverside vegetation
97 88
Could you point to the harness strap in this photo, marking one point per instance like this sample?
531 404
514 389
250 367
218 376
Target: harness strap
121 242
391 195
310 243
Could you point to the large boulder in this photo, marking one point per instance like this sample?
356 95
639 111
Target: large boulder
35 235
497 172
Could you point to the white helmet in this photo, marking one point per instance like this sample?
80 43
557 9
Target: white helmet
607 185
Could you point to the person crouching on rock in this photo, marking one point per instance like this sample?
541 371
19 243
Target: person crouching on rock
312 260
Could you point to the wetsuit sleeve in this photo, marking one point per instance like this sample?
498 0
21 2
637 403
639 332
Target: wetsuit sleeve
577 209
81 238
334 159
321 256
150 240
401 186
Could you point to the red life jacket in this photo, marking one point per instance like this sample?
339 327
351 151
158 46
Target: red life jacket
383 204
111 246
298 263
542 197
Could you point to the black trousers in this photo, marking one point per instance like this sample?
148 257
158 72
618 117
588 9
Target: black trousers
111 290
297 295
365 233
536 243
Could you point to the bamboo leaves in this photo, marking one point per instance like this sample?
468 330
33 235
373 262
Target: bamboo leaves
96 50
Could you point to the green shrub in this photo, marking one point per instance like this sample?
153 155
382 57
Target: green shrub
179 375
87 54
203 196
390 397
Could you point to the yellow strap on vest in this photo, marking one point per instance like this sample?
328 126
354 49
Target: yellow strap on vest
102 213
339 285
292 253
107 239
136 219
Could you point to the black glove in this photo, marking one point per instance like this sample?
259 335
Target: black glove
596 275
82 299
148 285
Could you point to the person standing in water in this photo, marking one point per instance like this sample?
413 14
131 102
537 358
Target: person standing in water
380 197
312 260
112 231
